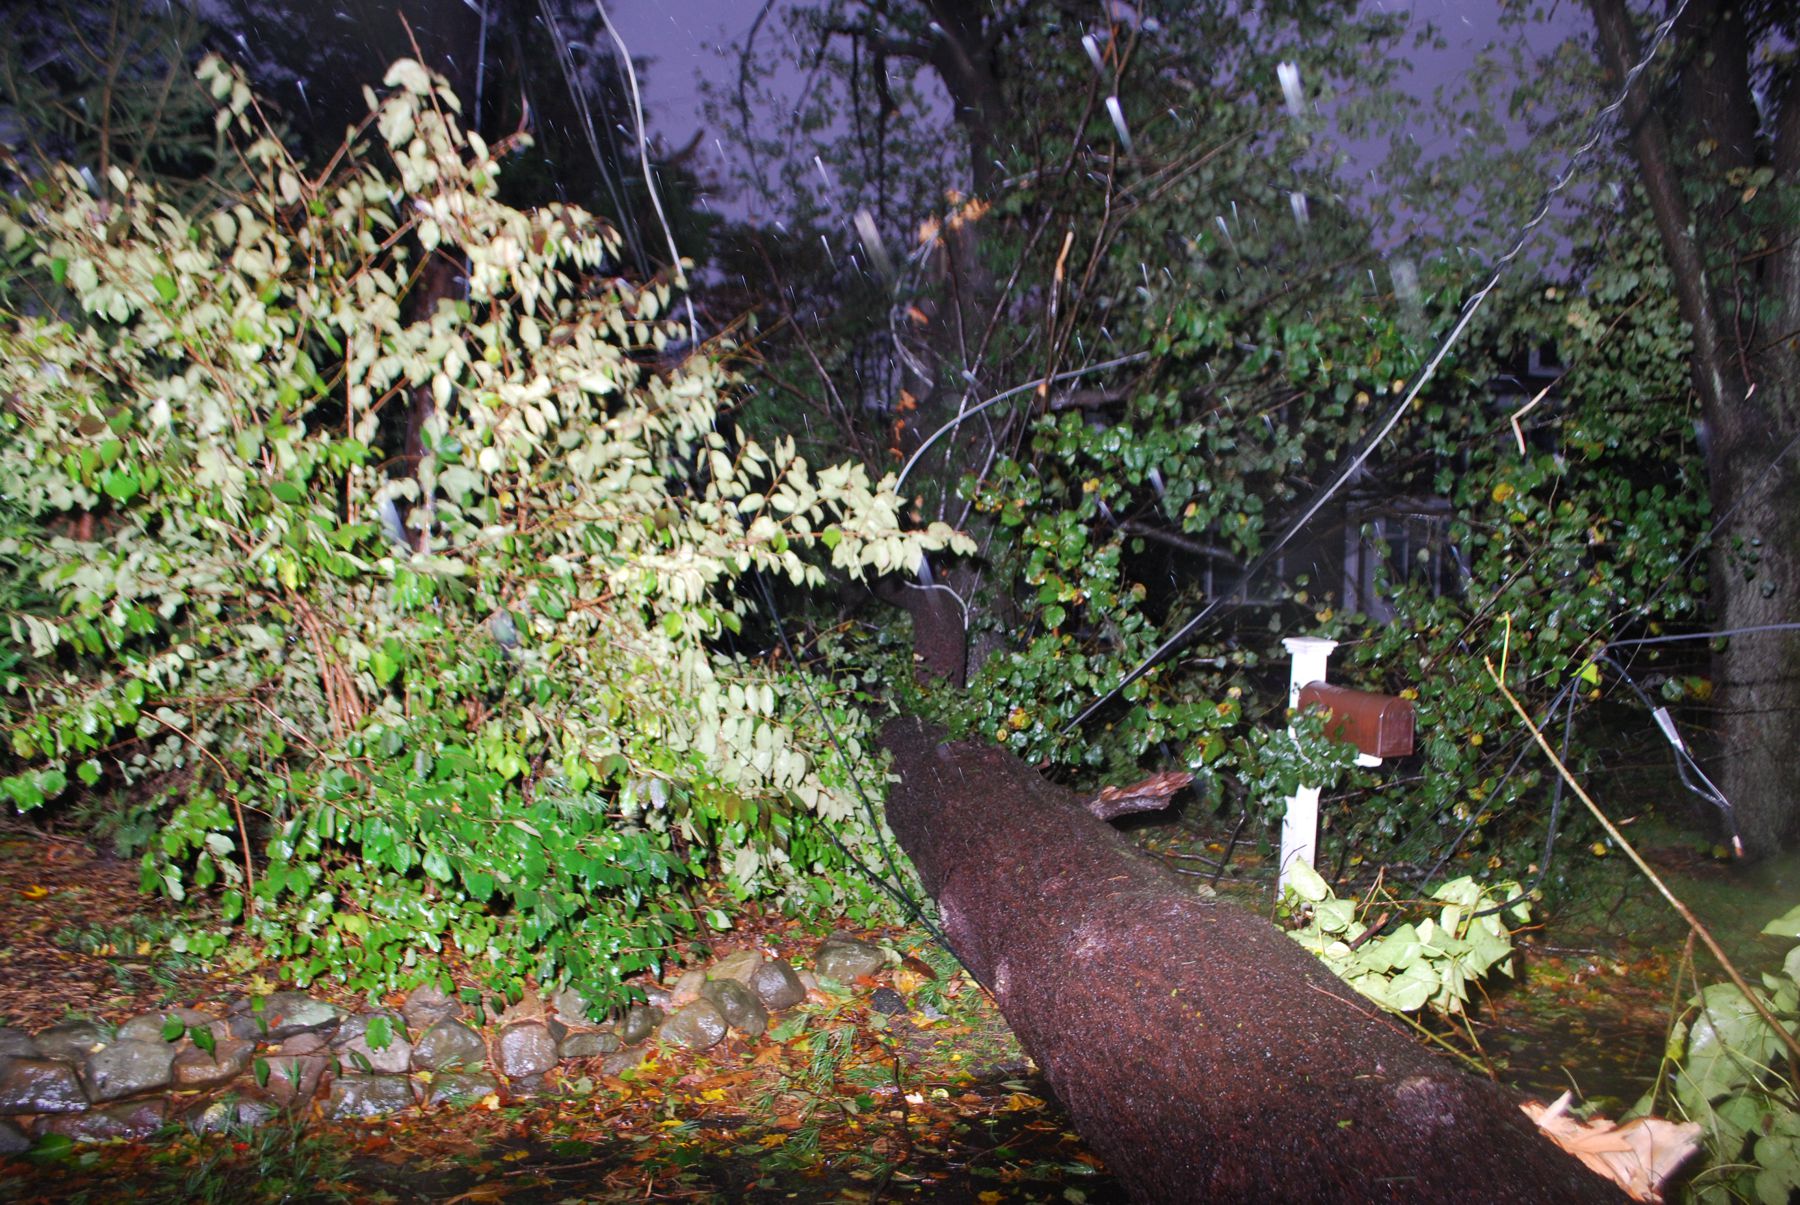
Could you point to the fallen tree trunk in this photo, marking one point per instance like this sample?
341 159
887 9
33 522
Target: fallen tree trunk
1203 1054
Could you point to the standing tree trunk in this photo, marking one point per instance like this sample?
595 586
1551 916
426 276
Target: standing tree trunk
1744 310
1201 1053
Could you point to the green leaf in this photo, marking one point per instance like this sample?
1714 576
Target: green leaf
1785 925
173 1028
51 1148
1306 885
383 666
288 492
259 1068
121 485
165 286
24 791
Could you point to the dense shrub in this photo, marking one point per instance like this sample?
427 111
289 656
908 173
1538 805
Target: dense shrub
385 704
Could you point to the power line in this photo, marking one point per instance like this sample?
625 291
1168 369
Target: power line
894 888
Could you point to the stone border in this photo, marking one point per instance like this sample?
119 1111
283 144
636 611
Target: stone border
281 1054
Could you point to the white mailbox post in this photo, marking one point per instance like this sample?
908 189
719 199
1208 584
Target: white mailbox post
1378 725
1300 827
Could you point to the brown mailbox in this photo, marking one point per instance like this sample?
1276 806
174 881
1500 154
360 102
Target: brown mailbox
1378 725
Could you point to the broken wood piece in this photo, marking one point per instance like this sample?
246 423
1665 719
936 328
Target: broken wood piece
1150 795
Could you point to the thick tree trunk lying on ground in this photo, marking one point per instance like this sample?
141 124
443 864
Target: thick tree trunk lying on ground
1203 1054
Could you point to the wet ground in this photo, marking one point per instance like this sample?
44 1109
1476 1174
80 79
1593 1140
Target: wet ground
849 1107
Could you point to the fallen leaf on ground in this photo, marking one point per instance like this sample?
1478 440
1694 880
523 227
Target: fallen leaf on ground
1638 1155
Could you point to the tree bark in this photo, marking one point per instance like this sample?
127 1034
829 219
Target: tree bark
1743 308
1201 1053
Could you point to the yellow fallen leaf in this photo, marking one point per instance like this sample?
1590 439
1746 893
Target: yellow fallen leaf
34 892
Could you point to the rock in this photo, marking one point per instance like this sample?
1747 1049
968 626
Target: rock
529 1007
285 1014
622 1060
460 1087
40 1086
17 1044
697 1026
354 1095
148 1027
125 1122
739 966
127 1068
236 1111
687 988
658 997
428 1004
12 1140
739 1006
588 1045
448 1044
847 959
526 1049
294 1079
569 1006
301 1043
808 980
72 1041
195 1068
777 985
354 1046
640 1022
887 1000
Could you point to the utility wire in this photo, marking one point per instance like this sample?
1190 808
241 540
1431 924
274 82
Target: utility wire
565 61
643 149
1355 464
1015 391
894 887
1717 634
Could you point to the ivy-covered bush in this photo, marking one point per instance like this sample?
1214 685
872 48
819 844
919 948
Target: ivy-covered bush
387 700
1431 963
1732 1074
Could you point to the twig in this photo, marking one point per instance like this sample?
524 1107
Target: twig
1762 1010
1230 845
237 807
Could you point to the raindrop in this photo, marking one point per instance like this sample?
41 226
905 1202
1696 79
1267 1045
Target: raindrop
1289 75
1118 120
1298 201
1093 52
